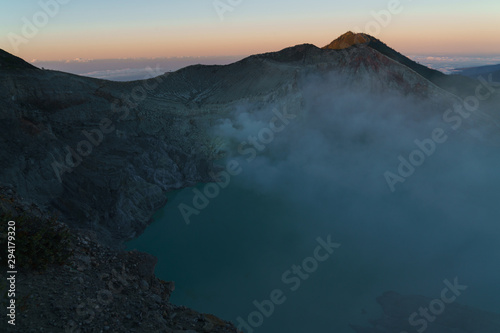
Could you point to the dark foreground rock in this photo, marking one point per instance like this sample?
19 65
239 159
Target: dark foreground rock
81 285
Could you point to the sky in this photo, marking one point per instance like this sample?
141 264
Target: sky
74 29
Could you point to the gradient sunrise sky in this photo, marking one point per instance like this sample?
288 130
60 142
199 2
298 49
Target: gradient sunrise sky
107 29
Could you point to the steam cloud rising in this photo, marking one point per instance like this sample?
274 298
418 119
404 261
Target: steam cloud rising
324 174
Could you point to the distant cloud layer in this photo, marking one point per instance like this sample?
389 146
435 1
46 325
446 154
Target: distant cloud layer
448 64
136 69
129 69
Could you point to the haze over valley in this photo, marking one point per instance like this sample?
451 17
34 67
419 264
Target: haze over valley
349 186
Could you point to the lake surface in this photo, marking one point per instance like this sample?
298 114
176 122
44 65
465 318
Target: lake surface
238 248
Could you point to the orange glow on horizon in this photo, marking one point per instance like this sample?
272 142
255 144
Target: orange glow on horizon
246 40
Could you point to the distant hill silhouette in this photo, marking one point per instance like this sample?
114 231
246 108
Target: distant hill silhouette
474 72
9 61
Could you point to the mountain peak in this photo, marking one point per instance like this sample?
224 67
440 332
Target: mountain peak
351 39
347 40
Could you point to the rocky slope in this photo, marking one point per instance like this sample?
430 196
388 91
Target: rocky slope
351 39
57 153
103 153
68 281
457 84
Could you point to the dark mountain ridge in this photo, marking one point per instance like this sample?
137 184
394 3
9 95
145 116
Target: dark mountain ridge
45 115
475 72
9 61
